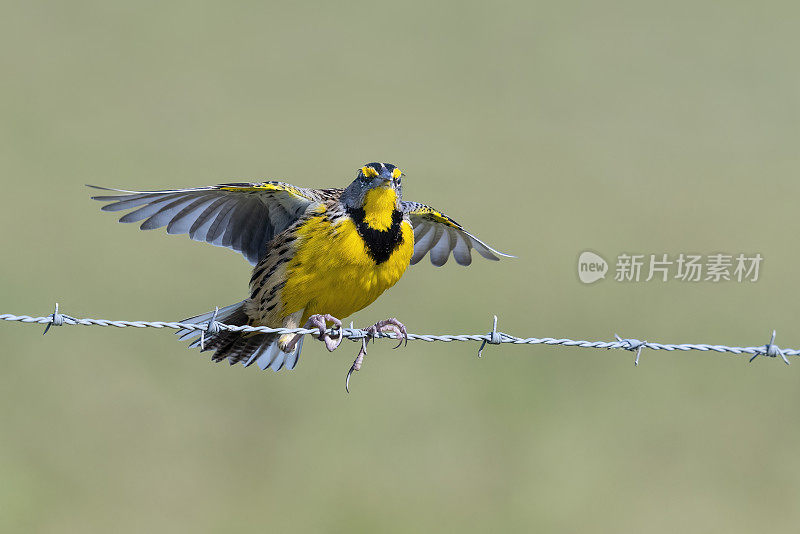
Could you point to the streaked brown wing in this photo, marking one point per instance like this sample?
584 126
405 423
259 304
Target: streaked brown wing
240 216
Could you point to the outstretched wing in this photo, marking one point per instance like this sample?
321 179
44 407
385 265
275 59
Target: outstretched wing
240 216
436 232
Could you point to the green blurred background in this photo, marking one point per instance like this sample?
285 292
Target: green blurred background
546 128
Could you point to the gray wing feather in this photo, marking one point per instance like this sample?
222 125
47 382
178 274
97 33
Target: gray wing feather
144 212
258 240
441 250
439 234
166 213
127 202
199 229
183 221
485 250
424 243
238 226
461 251
217 230
243 217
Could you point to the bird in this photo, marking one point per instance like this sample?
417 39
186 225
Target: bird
318 255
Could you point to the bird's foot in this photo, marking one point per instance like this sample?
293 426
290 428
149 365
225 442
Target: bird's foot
391 325
319 321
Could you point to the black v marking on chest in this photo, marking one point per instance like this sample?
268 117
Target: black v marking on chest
380 243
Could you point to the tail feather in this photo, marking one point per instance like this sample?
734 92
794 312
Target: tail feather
236 347
277 362
267 356
255 356
291 359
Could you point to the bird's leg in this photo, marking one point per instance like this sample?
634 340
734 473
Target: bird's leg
319 321
392 325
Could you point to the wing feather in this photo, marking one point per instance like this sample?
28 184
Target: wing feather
184 220
242 239
424 243
441 250
461 250
240 216
485 250
146 211
199 229
127 201
165 214
217 230
436 232
238 224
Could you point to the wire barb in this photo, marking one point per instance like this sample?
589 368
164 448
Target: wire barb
632 344
493 337
212 328
56 319
771 350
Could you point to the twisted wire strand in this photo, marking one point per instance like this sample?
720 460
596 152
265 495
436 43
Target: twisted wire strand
494 337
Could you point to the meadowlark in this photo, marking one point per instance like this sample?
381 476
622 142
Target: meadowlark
319 255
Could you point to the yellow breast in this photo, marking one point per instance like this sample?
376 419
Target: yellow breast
379 206
333 272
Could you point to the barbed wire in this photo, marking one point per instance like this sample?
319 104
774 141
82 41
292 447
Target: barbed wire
494 337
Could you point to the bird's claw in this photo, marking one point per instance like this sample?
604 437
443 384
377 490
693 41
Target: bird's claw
392 325
356 364
320 321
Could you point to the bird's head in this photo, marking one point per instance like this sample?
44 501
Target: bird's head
382 179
